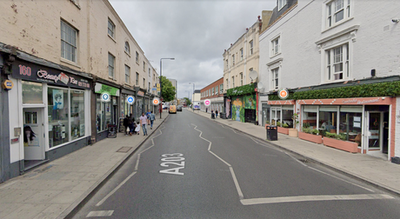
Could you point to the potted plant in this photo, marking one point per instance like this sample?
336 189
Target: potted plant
293 131
309 134
339 142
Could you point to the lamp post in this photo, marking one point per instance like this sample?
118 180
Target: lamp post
161 84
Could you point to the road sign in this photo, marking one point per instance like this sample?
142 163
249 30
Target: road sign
207 102
156 101
130 100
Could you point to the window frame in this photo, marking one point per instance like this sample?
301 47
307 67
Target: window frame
332 12
332 61
137 79
275 46
281 4
241 54
111 32
275 78
127 48
111 67
127 74
251 47
64 26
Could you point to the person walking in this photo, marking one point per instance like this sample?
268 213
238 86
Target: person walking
148 117
131 125
125 123
143 121
152 118
216 113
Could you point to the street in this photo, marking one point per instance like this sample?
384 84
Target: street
193 167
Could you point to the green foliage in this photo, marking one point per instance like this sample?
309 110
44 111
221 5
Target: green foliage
242 90
306 125
336 136
278 124
306 130
168 91
284 125
315 131
364 90
188 102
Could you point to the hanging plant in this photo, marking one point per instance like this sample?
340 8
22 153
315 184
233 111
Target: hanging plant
242 90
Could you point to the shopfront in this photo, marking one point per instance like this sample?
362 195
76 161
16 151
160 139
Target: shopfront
51 109
367 121
107 99
280 113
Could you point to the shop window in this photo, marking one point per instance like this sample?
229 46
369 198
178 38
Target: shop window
309 117
328 119
287 114
103 117
350 123
77 114
58 114
32 93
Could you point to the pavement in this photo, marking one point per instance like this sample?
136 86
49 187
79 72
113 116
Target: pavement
55 189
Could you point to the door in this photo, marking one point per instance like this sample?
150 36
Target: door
33 134
275 116
374 133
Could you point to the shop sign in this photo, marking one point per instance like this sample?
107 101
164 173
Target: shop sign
37 73
130 100
140 93
102 88
7 85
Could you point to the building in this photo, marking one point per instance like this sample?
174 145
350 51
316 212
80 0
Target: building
241 63
214 93
71 73
196 98
339 62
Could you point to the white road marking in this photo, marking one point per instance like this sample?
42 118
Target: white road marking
307 198
100 213
235 181
115 189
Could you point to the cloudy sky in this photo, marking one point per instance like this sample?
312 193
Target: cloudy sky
194 32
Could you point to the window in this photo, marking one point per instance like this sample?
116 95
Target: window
127 48
227 66
68 42
241 54
251 47
144 83
233 81
241 79
149 87
111 28
275 46
111 61
337 63
58 115
337 10
275 77
127 74
233 60
77 114
221 88
137 57
216 90
137 79
149 72
144 66
281 3
32 93
227 84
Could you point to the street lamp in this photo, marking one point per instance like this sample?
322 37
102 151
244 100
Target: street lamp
160 82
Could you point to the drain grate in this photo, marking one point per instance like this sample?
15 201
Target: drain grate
124 149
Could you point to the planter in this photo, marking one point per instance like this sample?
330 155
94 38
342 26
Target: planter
341 145
310 137
283 130
293 132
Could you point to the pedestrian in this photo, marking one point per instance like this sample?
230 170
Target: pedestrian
125 123
216 113
131 122
143 121
206 109
137 128
152 118
148 117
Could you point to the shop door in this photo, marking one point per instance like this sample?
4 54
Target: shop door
275 116
374 136
33 134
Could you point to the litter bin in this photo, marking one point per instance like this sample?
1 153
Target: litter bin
272 133
222 115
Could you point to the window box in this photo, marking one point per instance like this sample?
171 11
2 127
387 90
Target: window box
341 145
310 137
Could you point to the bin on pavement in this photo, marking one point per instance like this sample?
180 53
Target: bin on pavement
272 133
222 115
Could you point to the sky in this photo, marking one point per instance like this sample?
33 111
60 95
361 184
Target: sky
194 32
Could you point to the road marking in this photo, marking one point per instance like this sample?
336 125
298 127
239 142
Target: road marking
115 189
235 181
100 213
307 198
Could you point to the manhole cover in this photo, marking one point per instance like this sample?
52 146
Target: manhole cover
124 149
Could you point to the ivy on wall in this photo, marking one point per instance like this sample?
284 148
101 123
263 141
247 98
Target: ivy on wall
365 90
242 90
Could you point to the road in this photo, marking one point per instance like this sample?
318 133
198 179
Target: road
194 167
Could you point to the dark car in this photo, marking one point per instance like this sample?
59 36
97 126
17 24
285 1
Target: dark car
179 108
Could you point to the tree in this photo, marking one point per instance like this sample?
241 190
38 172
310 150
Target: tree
188 102
168 91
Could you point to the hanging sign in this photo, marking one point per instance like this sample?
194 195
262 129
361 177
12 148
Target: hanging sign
207 102
130 100
156 101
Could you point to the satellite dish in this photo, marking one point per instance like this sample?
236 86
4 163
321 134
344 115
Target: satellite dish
260 86
253 75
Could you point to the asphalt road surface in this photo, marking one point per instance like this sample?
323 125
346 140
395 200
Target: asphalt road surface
194 167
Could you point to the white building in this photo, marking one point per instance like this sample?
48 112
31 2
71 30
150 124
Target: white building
347 46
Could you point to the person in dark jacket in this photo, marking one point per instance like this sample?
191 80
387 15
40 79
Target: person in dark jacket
125 123
131 125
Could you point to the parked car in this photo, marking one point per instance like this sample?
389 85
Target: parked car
179 108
